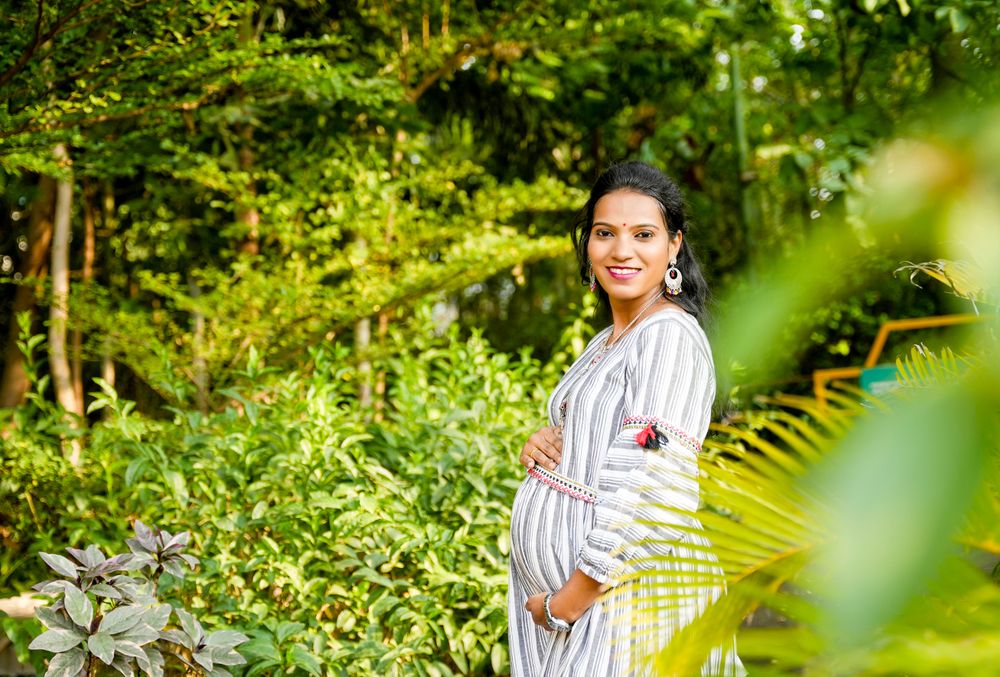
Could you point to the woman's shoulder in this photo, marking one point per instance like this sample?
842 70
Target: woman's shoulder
671 328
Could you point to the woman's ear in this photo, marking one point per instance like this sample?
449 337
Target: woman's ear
675 244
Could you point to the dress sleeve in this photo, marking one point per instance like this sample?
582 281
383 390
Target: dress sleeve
650 470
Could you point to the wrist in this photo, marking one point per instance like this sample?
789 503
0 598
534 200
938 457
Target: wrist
554 622
574 598
562 607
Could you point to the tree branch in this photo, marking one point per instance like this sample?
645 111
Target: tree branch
115 117
39 40
22 606
28 51
454 61
475 47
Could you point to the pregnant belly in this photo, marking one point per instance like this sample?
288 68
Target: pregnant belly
547 529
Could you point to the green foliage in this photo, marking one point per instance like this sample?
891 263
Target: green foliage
869 529
962 278
837 521
339 546
100 612
21 632
270 174
265 173
860 296
44 501
264 176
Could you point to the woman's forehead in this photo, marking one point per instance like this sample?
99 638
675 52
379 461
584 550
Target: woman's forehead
627 207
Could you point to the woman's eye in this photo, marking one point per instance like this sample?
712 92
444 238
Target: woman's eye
603 233
644 233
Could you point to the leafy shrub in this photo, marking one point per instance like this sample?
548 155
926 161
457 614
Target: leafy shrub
102 613
337 544
44 501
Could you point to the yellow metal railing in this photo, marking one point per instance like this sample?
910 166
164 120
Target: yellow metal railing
821 377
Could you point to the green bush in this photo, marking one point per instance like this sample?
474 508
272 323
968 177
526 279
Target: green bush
339 545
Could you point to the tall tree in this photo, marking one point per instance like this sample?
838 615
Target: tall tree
32 267
62 377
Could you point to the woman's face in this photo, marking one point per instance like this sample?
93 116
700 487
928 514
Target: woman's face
630 246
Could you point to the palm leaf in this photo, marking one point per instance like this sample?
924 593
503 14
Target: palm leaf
965 279
762 524
765 521
922 368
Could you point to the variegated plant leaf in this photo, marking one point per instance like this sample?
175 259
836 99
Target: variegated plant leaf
102 645
61 565
141 634
56 640
124 666
121 619
178 637
67 664
145 536
53 619
78 606
105 590
158 616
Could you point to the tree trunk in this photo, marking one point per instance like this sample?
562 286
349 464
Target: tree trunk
107 365
14 382
383 330
198 364
246 213
597 150
108 227
23 606
59 311
87 275
362 344
384 314
425 29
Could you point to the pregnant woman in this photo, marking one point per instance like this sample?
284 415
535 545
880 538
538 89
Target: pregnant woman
619 457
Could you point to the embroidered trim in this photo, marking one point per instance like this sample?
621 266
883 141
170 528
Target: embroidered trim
664 428
563 484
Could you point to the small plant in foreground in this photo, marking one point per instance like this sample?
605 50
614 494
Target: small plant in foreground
106 608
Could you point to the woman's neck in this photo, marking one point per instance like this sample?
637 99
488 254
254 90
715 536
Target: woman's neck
625 314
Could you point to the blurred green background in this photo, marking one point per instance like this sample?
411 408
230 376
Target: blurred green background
296 277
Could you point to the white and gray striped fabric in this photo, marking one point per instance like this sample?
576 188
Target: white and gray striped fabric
660 372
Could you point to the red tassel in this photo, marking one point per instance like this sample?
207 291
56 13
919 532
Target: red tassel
643 437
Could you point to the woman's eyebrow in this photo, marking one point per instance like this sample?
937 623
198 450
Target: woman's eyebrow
635 225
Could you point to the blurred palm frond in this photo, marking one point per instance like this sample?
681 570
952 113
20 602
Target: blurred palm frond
965 279
765 524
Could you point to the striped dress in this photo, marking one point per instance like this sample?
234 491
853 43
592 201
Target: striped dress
590 512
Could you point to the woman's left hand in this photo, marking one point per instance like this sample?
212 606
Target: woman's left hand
536 607
569 603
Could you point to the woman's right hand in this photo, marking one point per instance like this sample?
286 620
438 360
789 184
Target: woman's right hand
544 448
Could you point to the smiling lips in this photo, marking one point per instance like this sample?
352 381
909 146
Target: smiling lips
620 273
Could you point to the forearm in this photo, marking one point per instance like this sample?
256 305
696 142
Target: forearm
575 597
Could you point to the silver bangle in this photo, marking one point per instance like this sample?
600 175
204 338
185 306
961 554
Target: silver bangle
555 624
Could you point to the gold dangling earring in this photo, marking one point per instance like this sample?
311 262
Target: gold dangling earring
593 278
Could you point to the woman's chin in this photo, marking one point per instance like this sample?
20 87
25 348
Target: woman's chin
619 292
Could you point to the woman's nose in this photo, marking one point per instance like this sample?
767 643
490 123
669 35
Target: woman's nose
622 250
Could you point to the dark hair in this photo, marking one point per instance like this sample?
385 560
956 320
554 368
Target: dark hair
638 177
